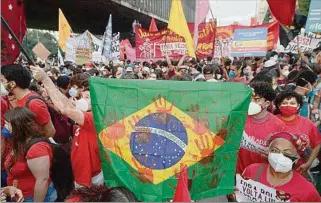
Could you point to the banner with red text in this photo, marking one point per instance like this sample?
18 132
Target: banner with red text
224 38
154 45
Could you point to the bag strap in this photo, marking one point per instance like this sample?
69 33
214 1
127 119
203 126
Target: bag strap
34 141
258 173
34 97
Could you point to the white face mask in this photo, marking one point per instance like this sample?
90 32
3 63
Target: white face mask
280 163
254 109
82 105
3 90
285 73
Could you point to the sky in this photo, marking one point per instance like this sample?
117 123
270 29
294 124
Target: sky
229 11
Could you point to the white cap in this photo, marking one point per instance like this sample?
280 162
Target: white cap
269 63
129 69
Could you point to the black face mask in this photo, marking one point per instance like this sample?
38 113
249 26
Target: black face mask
144 75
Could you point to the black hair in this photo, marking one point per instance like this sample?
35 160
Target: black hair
63 82
264 89
240 65
293 76
209 58
263 76
17 73
286 94
81 80
120 194
227 62
208 69
306 77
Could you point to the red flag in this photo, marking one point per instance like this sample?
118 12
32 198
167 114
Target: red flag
153 26
13 12
181 192
283 10
253 21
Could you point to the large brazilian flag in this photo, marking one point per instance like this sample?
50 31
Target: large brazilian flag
148 129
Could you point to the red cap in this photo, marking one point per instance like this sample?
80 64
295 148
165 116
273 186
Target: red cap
181 192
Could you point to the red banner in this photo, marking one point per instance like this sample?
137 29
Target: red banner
13 12
154 45
224 38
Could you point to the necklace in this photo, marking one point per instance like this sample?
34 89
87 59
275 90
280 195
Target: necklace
280 181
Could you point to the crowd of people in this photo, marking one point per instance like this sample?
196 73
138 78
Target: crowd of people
37 102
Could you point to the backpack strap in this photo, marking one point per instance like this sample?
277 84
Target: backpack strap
34 97
258 173
34 141
50 110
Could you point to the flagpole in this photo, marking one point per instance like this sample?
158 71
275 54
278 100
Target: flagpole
215 34
7 27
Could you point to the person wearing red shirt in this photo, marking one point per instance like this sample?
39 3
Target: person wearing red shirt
259 124
288 104
85 158
29 170
236 73
279 174
16 79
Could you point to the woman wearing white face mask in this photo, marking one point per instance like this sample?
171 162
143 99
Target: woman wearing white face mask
288 104
284 72
283 154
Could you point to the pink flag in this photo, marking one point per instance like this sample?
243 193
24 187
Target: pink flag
201 10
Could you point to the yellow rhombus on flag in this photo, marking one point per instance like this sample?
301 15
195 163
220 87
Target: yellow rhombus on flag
130 139
64 31
177 23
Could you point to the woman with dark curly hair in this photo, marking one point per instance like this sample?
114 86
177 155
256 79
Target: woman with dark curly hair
288 104
29 170
101 193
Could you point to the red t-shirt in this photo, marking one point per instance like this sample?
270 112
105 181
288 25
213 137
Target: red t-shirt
241 79
85 157
38 107
254 140
301 125
300 189
4 109
20 171
74 199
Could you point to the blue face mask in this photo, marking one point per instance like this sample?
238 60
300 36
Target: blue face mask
232 74
73 92
246 73
6 133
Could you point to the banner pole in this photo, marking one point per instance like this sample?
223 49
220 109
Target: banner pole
215 25
7 27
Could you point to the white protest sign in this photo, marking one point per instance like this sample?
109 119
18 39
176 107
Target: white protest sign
251 191
251 145
306 40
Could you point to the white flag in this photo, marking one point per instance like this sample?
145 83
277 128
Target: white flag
107 40
60 59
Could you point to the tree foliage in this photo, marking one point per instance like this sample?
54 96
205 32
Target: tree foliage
304 6
47 39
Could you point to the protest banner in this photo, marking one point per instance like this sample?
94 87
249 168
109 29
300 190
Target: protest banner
154 130
251 191
313 23
41 51
115 47
154 45
249 42
83 55
224 38
306 40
